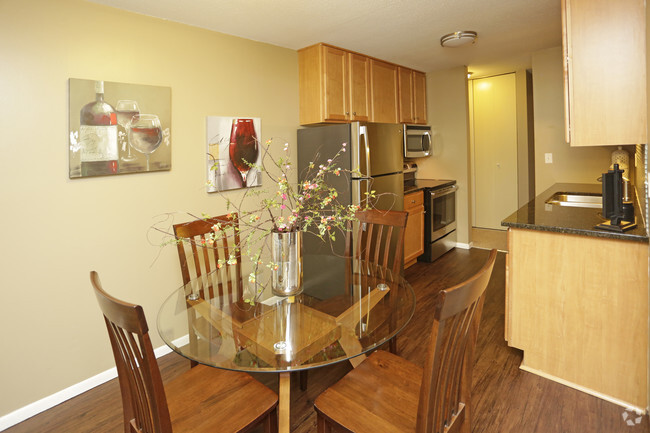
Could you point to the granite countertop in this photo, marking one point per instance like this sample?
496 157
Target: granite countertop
421 184
539 215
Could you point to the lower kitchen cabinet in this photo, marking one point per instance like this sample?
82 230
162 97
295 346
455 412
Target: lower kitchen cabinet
414 234
578 308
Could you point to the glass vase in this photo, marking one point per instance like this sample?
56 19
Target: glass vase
286 248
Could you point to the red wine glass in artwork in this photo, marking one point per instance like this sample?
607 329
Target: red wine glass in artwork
126 109
145 134
243 149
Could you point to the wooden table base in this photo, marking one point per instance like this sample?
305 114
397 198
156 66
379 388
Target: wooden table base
284 421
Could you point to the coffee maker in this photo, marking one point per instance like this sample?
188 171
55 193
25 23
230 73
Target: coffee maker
618 208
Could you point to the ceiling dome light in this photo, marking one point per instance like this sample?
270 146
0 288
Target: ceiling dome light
457 39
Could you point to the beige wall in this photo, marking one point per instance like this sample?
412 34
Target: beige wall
570 164
57 229
448 116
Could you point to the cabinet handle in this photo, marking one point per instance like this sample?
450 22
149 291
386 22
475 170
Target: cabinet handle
354 113
347 113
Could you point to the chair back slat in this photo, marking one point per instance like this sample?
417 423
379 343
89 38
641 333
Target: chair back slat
200 248
379 238
446 382
143 395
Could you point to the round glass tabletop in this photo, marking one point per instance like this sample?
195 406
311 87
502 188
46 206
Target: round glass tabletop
338 318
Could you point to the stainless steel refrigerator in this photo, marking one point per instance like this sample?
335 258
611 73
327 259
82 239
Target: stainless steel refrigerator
374 148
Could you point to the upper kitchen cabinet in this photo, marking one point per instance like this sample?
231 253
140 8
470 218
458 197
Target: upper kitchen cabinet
384 91
338 86
359 87
334 85
420 97
604 72
412 96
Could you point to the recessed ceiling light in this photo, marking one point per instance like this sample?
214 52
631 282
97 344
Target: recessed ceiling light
457 39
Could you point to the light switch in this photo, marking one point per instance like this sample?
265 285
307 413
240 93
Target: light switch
548 158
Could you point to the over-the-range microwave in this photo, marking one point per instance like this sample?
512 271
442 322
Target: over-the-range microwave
417 141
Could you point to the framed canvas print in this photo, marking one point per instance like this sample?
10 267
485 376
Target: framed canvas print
233 146
118 128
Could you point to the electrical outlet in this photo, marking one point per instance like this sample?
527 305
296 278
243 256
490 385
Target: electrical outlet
548 158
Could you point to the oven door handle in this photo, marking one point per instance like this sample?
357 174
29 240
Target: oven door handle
444 191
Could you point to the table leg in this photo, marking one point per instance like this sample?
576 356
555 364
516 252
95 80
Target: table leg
284 403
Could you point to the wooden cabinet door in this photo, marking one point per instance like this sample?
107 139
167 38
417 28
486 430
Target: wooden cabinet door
334 63
359 87
604 71
405 77
383 79
414 233
419 97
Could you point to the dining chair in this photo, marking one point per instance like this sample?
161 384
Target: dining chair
203 399
200 248
388 393
378 239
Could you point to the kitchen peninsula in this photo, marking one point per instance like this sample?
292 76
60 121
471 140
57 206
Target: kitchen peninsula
577 298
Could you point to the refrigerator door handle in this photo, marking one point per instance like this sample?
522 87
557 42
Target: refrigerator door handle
365 148
360 190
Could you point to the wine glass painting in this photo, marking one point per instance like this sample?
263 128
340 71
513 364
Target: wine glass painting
145 134
126 109
233 151
118 128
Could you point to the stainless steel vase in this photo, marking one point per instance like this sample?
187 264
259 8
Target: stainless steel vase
286 250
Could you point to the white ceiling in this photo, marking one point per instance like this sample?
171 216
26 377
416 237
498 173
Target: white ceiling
406 32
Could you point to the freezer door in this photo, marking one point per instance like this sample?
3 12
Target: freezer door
317 145
385 145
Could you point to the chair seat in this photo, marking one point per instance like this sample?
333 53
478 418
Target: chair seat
380 395
207 399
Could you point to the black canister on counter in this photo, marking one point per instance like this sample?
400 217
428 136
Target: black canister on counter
628 211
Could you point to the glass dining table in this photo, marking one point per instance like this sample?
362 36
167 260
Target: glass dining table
354 310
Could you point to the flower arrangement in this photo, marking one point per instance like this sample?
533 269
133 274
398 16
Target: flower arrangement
310 205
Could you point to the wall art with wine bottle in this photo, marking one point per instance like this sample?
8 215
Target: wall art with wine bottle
233 150
118 128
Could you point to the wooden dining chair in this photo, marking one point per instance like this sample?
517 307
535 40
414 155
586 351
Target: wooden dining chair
200 248
203 399
388 393
379 240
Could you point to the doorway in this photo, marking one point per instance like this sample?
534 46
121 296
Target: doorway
493 133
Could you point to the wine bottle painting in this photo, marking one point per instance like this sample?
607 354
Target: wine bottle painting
118 128
233 151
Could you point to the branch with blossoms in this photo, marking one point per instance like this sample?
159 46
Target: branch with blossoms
309 205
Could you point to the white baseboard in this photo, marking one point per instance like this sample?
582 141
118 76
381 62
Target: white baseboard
25 412
464 246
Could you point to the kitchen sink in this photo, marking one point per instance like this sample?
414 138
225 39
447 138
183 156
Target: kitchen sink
590 200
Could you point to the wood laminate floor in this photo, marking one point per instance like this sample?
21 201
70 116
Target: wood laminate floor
505 399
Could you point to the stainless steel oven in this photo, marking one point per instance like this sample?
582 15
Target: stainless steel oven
440 220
